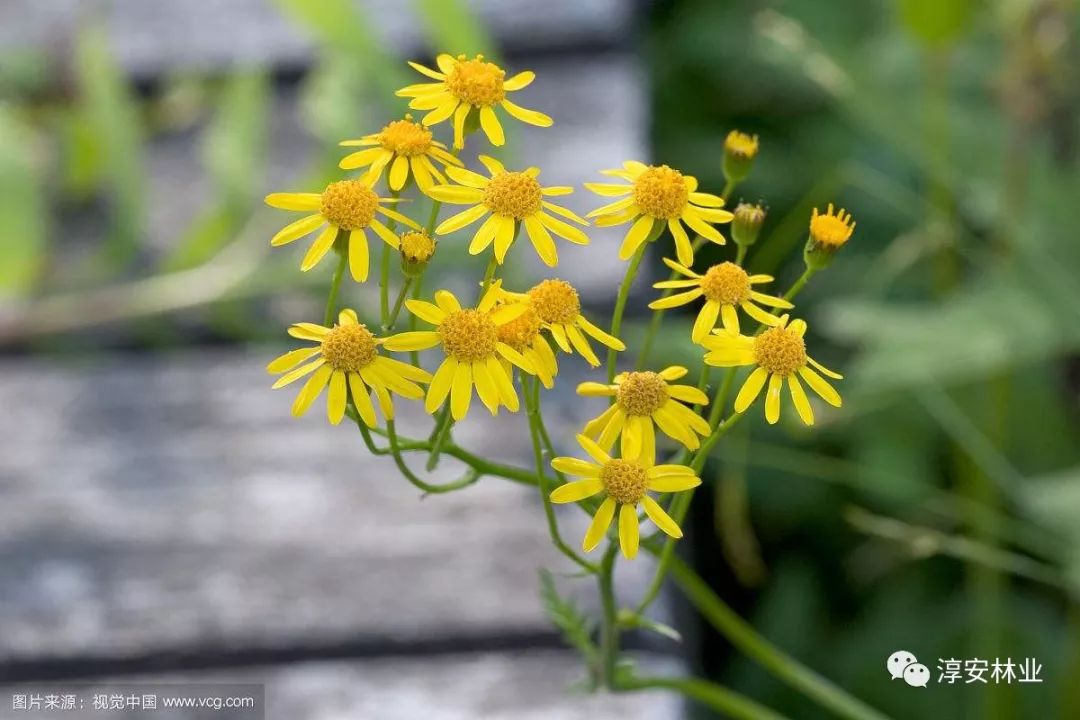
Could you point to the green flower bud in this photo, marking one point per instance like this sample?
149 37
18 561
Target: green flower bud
740 150
746 226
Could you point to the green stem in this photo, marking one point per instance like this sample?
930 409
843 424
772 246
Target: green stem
335 286
800 283
741 635
439 435
471 475
418 289
489 273
740 255
397 305
729 187
657 316
713 696
620 305
531 390
609 629
384 273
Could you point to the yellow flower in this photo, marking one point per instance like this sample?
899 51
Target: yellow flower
740 150
470 341
523 335
724 286
625 483
641 399
512 198
348 360
830 231
466 84
558 306
347 206
779 354
659 194
402 145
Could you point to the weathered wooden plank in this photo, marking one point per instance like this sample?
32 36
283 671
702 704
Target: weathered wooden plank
150 38
157 502
535 685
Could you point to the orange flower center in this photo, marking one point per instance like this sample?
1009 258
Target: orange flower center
555 301
625 481
349 347
726 283
642 393
468 336
349 204
513 194
476 82
780 351
661 192
404 137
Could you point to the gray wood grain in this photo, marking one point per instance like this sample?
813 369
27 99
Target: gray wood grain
157 502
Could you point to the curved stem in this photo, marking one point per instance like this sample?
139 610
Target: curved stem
335 285
471 475
620 304
489 273
740 634
439 435
531 390
713 696
384 273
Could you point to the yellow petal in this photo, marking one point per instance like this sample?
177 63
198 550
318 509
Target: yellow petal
362 400
674 483
660 518
298 373
358 255
336 397
440 386
599 525
637 234
491 126
311 390
532 117
519 81
426 311
772 399
798 397
706 320
295 201
750 389
461 391
296 230
485 386
628 531
575 491
291 359
821 386
462 219
576 467
418 340
319 248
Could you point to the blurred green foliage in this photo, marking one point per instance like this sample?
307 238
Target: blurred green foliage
949 129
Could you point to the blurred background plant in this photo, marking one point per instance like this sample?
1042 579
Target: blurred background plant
935 513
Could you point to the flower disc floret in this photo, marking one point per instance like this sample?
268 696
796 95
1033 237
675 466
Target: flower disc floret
780 351
405 137
477 82
661 192
469 335
642 393
625 481
349 204
726 283
513 194
349 348
555 301
520 332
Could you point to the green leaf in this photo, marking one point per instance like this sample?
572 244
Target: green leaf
110 110
452 27
23 223
577 629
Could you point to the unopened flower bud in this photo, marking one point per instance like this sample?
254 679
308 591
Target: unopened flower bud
746 226
416 250
740 150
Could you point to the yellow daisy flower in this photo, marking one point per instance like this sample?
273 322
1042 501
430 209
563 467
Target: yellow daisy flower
513 199
724 286
470 341
641 399
523 335
779 354
402 145
462 85
347 206
558 305
659 194
347 359
625 483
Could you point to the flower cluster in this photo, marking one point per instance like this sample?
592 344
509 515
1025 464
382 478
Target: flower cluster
503 347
